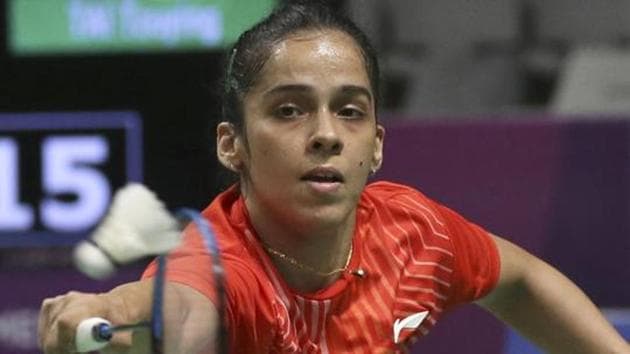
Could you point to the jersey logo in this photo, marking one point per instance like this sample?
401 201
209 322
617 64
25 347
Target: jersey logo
411 322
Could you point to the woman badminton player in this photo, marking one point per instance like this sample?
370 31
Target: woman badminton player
315 260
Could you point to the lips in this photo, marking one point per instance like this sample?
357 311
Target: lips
323 175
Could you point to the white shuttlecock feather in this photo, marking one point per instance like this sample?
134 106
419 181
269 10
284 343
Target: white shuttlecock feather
137 225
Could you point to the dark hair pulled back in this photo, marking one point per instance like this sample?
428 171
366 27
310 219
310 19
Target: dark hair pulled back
253 48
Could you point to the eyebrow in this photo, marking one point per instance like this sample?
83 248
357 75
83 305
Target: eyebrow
345 89
357 90
288 88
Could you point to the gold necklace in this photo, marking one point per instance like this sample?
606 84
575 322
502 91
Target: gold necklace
294 262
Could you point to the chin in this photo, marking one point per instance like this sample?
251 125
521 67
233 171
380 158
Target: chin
327 215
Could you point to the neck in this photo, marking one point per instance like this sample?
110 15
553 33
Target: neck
304 251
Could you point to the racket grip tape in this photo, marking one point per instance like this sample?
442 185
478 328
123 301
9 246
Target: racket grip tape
92 334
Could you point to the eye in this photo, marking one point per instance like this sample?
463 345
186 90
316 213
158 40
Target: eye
351 113
288 111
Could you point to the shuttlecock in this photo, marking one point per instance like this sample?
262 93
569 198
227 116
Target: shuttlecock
137 225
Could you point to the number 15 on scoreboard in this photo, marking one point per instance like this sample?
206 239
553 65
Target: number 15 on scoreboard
58 171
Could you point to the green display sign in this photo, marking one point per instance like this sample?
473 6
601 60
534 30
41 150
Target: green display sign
98 26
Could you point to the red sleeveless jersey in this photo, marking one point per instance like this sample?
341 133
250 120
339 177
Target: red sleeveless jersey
418 259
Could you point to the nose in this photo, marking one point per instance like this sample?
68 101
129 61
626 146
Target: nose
325 138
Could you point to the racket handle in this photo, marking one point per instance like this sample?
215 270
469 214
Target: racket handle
92 334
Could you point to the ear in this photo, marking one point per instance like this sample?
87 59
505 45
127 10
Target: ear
229 148
377 157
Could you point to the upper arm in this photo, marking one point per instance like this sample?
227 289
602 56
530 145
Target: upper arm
514 265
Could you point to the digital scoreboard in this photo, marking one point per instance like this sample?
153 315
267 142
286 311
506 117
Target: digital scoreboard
58 172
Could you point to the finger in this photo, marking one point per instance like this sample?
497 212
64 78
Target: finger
121 342
67 322
64 314
46 330
56 306
66 328
49 341
42 322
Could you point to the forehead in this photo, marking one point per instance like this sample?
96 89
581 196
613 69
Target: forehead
320 58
